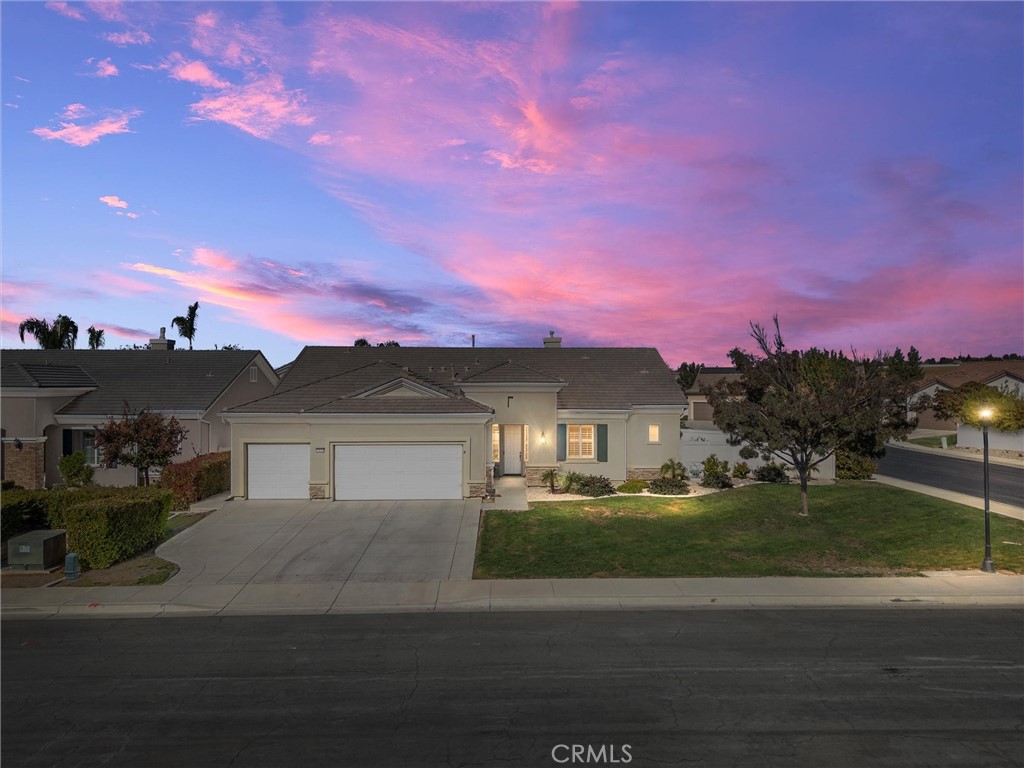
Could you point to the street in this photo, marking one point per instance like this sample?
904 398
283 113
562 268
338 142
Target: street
954 474
893 687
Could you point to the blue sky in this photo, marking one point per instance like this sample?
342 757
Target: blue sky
626 174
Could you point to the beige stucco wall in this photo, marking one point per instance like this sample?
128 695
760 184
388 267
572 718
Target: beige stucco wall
615 468
241 390
28 416
474 436
642 454
535 409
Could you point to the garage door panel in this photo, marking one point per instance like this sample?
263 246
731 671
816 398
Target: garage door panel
277 471
408 471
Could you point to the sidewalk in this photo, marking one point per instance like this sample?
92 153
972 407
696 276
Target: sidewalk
995 507
947 589
952 453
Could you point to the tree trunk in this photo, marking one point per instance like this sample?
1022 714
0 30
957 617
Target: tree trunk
803 491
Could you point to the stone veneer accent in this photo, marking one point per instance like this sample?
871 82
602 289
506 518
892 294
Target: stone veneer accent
317 491
477 489
489 479
533 475
640 473
25 465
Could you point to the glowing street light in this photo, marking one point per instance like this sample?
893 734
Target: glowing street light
985 414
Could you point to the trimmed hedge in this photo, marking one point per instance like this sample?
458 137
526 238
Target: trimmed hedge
771 473
22 511
58 502
632 486
852 466
669 486
104 531
197 478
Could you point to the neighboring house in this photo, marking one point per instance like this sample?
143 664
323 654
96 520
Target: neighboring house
53 400
700 437
441 423
1001 374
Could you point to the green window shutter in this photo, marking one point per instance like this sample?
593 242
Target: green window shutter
562 443
602 442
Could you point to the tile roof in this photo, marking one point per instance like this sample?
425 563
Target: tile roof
181 380
595 377
16 375
982 371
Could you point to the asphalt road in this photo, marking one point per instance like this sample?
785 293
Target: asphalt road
1006 484
894 687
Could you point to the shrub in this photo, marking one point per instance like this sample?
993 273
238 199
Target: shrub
550 477
106 530
594 485
673 469
741 471
197 478
716 473
9 485
570 482
632 486
771 473
22 511
57 502
748 452
74 470
853 466
669 486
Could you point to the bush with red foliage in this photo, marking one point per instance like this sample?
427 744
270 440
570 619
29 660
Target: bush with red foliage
197 478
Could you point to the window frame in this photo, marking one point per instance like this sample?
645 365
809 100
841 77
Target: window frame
578 441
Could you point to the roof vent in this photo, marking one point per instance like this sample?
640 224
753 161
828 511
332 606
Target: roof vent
552 341
644 370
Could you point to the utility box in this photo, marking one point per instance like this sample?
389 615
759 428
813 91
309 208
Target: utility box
37 550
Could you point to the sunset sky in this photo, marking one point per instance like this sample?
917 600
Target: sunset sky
642 174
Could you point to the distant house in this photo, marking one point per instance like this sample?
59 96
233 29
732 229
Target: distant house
442 422
1001 374
53 401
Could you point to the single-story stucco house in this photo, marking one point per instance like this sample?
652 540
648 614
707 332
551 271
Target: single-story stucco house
1007 375
442 422
53 400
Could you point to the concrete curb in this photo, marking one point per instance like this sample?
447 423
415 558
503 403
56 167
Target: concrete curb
963 589
953 454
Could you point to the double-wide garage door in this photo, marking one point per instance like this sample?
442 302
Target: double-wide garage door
397 472
361 472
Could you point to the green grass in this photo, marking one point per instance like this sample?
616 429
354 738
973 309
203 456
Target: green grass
855 528
935 441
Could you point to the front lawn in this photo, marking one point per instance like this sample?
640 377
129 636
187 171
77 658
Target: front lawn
935 441
855 528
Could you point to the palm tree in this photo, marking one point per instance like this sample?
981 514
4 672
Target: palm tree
673 469
187 325
550 477
96 339
61 335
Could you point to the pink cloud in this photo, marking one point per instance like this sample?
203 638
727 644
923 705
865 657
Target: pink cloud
104 68
194 72
74 111
64 9
128 37
319 139
207 257
113 201
260 107
84 135
108 10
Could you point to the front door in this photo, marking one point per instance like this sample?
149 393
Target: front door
513 464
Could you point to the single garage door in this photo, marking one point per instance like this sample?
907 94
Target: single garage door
397 472
278 471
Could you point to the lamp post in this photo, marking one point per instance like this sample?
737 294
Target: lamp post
985 416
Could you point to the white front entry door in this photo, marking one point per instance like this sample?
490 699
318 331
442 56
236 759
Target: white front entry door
416 471
278 471
513 449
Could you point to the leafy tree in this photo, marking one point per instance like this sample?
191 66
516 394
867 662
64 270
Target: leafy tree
686 374
141 439
186 324
361 343
803 406
62 334
391 343
963 404
96 339
229 347
908 367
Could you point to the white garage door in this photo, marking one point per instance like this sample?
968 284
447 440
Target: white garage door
278 471
397 472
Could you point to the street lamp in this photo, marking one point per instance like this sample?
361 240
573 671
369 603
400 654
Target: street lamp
985 417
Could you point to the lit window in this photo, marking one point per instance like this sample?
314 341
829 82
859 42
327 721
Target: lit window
495 443
653 433
580 441
526 443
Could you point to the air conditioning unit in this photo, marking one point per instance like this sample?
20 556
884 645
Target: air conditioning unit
37 550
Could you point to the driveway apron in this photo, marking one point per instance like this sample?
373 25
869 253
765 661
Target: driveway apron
282 542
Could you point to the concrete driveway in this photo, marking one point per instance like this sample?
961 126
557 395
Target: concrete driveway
291 542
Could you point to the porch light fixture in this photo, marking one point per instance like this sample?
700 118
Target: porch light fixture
985 414
543 439
18 444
